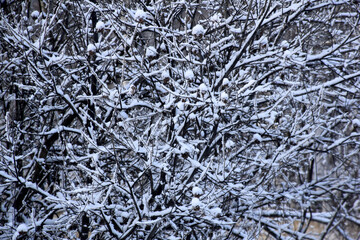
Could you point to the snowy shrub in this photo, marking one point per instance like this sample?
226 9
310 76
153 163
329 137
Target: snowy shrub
193 120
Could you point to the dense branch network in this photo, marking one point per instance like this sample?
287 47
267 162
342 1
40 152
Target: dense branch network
179 120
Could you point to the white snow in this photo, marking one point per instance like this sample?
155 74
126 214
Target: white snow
35 14
173 238
196 191
271 119
251 82
140 15
215 20
195 163
257 137
225 82
356 122
229 144
151 52
195 202
224 96
287 54
203 87
342 140
165 75
192 116
181 105
356 205
198 30
91 48
22 228
284 44
100 26
215 211
163 46
189 75
327 84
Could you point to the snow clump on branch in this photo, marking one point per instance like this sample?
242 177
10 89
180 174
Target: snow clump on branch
196 203
20 230
225 82
189 75
197 192
91 49
216 212
215 20
224 96
203 87
35 14
198 31
140 15
100 26
151 52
